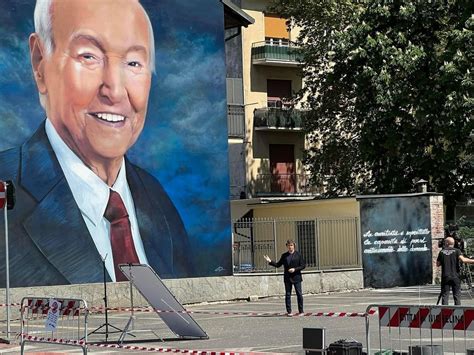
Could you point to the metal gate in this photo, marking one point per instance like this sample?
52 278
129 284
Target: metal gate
325 243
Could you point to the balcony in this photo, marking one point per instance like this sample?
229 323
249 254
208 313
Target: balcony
275 52
236 121
277 119
284 185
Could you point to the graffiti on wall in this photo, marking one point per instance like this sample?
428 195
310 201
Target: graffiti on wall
396 240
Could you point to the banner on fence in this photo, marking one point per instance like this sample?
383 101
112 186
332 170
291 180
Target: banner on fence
427 317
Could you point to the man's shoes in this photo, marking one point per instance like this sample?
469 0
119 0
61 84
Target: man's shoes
289 314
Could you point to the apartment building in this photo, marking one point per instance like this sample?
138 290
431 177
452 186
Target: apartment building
266 141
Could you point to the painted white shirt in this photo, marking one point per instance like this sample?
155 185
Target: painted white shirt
91 195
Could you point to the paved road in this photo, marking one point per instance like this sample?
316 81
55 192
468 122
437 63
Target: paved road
277 334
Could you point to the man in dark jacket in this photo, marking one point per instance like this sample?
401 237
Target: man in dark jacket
448 259
293 263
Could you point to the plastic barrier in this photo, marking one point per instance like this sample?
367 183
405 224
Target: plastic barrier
422 329
44 319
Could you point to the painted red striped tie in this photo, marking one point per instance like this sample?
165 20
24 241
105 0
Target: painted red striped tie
123 249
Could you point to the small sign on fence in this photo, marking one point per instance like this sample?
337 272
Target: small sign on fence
53 315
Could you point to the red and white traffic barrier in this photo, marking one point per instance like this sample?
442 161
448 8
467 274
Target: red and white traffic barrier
427 317
41 305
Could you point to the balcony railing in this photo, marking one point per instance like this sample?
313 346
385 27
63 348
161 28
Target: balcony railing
275 52
284 184
278 118
236 121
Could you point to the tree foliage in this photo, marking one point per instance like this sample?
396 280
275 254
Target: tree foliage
389 86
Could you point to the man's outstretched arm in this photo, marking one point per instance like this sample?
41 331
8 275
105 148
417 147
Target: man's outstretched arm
466 260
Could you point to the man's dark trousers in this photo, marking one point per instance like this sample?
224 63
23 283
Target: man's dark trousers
455 285
299 296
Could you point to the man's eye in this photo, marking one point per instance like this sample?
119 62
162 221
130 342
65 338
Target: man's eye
89 58
135 64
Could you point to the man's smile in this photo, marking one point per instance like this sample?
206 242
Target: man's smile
108 117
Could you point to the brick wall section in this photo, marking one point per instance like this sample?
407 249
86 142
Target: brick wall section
437 231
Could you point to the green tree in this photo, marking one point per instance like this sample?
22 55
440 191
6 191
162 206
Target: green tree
389 88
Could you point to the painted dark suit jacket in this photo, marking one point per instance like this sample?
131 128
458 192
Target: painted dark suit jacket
296 261
49 240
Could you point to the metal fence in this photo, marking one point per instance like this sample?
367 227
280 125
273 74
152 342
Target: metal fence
284 184
54 321
324 243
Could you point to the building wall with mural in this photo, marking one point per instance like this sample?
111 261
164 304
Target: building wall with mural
177 170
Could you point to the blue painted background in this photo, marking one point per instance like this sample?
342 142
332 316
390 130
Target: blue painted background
184 142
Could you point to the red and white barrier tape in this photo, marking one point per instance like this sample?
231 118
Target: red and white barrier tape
11 304
254 314
251 314
134 347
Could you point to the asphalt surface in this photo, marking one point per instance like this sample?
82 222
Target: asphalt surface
271 333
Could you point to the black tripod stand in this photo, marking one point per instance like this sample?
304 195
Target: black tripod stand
106 325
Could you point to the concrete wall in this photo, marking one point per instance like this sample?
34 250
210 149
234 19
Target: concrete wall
322 208
437 232
236 168
197 290
334 208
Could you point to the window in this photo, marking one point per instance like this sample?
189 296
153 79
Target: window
278 93
275 27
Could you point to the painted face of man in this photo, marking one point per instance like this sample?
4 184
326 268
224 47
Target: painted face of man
97 80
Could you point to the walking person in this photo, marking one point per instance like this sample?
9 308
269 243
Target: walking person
449 258
293 263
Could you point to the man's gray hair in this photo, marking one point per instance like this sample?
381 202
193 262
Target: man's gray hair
44 28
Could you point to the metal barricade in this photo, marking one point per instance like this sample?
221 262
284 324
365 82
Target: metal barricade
422 329
69 326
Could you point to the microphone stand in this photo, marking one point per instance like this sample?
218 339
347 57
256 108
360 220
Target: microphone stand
106 324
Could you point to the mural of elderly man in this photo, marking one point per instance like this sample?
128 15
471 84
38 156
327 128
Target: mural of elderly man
80 199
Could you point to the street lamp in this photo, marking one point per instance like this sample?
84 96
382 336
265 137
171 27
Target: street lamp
421 185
